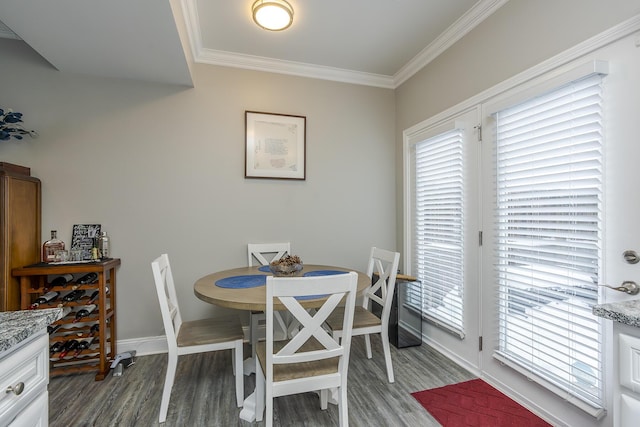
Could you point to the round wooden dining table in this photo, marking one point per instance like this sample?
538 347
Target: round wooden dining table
248 292
244 289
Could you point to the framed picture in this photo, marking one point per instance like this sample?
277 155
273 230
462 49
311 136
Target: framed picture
275 146
83 238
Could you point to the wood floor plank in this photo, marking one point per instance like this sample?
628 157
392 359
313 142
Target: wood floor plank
203 392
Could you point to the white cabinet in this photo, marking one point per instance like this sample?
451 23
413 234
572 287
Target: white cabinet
24 376
627 390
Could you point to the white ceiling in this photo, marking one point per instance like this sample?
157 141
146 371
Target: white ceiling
372 42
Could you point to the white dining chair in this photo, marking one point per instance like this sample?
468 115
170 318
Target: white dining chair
385 264
197 336
264 254
312 360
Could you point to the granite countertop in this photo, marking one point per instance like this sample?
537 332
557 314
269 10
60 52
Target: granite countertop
16 326
626 312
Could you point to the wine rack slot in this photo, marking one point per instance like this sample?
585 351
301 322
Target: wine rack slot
75 287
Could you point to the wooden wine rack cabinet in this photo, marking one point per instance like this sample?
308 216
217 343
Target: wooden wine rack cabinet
34 283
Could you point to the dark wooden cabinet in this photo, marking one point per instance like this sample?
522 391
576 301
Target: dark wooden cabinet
36 280
20 212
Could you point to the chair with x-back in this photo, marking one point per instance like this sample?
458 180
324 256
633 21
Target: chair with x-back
264 254
384 264
196 336
312 360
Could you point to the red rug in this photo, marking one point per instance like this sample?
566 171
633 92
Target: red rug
475 404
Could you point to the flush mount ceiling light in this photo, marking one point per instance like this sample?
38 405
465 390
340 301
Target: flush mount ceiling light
273 15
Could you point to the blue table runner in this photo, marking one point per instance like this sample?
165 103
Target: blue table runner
242 282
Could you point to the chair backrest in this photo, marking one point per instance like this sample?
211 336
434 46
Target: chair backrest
167 298
264 253
291 291
385 264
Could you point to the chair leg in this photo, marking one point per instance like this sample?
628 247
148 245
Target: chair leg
367 342
343 408
168 385
268 402
237 370
387 355
324 398
259 392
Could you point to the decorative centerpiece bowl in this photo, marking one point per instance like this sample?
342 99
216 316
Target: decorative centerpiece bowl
286 266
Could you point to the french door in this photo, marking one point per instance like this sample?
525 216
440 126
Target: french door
443 186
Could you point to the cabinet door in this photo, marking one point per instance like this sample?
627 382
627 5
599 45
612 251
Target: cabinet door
34 415
19 234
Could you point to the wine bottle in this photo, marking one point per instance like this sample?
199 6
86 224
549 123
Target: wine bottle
61 280
57 346
95 294
50 247
87 279
84 312
48 297
69 345
74 295
52 328
84 344
94 330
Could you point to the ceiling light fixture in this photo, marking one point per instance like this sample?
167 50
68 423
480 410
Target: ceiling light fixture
273 15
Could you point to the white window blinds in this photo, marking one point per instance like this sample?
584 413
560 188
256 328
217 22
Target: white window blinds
549 194
438 262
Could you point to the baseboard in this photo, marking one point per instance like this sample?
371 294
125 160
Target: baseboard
153 345
451 356
144 346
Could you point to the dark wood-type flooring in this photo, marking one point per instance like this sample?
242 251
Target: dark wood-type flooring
203 392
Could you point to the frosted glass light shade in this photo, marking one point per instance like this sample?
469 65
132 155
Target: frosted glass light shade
273 15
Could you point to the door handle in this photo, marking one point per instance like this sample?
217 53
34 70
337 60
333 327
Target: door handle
628 287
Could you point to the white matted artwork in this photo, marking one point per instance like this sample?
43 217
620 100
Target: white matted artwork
275 146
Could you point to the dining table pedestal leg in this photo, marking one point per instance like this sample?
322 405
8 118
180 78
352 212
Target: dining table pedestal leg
249 366
248 412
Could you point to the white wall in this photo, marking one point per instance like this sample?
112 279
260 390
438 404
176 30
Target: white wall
162 169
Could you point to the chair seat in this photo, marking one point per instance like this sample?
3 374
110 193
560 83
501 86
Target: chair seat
297 370
209 331
362 318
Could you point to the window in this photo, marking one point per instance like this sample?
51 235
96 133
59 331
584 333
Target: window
438 235
548 239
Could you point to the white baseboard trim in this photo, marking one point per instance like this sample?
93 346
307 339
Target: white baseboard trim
451 356
143 346
154 345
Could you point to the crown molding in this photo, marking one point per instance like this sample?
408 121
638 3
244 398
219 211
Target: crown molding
467 22
270 65
473 17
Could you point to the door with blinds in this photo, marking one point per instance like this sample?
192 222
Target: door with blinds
542 154
443 186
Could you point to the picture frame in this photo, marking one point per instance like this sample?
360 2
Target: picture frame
275 146
83 238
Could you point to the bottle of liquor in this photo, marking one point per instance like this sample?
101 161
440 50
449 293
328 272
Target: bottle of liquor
74 295
46 298
103 245
69 346
57 346
50 247
84 344
88 279
84 312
